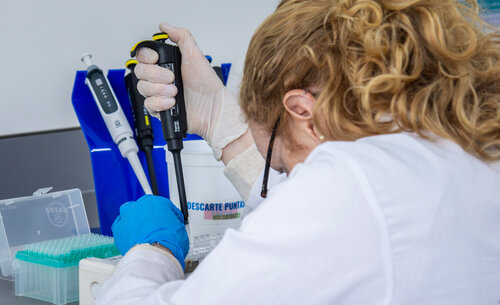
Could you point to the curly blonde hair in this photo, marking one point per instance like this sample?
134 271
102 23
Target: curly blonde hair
381 66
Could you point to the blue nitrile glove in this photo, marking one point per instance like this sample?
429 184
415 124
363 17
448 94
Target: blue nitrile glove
151 219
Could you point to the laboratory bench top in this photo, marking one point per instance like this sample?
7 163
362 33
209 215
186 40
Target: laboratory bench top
7 296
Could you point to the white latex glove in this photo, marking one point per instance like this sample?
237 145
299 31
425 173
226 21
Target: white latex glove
212 112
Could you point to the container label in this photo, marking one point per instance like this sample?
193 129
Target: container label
218 210
57 214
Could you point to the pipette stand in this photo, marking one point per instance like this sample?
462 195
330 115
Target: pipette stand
114 180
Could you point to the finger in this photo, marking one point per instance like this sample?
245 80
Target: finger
154 73
156 104
146 56
149 89
144 199
183 38
153 113
177 212
116 223
127 206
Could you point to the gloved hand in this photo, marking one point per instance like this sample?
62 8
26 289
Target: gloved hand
212 112
151 219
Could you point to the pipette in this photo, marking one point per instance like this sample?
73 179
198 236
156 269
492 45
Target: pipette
144 131
174 122
114 118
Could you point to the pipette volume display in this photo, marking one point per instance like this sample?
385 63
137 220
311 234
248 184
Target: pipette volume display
115 119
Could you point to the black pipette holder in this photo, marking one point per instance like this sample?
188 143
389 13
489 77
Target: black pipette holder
174 121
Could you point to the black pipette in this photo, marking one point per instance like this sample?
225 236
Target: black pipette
143 128
174 122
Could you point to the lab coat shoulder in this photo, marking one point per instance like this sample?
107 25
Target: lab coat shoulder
439 205
324 183
317 235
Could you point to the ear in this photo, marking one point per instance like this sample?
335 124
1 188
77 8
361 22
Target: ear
299 105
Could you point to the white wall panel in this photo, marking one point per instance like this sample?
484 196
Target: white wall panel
42 41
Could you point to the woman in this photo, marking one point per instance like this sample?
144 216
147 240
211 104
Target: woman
384 115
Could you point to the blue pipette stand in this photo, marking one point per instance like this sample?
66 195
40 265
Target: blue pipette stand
114 180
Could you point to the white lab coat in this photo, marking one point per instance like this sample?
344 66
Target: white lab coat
391 219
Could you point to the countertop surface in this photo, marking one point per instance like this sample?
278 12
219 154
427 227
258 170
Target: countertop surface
7 296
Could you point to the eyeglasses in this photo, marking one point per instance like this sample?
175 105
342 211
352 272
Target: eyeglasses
263 192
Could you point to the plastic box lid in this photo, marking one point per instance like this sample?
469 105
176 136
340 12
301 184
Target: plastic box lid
36 218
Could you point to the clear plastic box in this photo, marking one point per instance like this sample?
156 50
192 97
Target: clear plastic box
50 284
48 270
41 217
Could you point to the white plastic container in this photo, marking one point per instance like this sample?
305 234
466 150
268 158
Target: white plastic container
213 203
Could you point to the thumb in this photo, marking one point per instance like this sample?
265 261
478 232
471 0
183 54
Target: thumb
184 39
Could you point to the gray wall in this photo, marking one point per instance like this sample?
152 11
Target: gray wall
60 159
60 31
